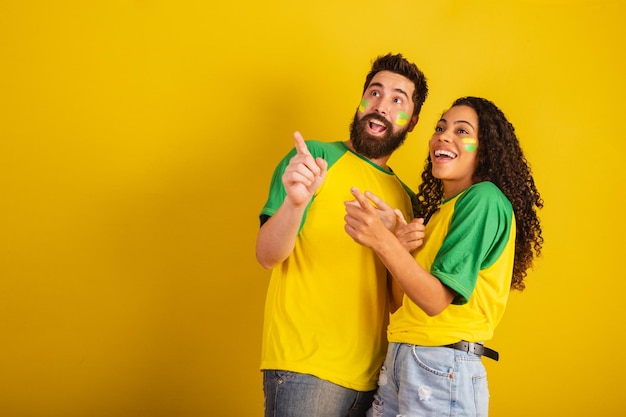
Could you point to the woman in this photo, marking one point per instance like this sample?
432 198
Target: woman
478 201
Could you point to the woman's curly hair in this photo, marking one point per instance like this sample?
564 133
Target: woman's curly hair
501 161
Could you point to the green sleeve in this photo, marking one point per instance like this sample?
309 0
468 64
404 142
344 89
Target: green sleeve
478 233
330 151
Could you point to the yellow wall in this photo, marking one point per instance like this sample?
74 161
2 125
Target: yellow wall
137 139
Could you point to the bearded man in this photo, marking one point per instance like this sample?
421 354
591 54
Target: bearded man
328 301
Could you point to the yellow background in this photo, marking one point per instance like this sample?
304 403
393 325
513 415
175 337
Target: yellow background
137 139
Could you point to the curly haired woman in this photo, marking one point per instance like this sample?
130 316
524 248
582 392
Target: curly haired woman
478 202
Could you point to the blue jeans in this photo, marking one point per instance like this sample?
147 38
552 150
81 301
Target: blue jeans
291 394
431 381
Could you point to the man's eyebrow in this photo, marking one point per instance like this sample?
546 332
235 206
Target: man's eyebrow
401 91
397 90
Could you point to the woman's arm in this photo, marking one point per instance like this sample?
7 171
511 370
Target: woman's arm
365 227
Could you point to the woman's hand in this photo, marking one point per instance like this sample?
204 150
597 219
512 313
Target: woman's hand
369 220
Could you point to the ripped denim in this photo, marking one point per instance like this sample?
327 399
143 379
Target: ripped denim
430 382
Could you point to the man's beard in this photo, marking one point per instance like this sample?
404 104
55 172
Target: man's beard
373 147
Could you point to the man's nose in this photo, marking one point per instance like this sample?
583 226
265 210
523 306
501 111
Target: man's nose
381 108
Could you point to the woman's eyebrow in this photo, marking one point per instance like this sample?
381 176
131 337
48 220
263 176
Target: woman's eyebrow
465 121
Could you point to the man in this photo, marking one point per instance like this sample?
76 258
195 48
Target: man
327 305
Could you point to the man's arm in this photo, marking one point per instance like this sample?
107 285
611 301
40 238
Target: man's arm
302 177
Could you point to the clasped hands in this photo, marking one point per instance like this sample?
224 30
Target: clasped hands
369 221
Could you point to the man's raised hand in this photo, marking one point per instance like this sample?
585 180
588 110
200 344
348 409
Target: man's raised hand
304 174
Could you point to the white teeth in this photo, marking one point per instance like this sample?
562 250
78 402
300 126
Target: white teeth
441 152
374 121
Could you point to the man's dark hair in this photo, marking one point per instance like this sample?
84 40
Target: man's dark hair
398 64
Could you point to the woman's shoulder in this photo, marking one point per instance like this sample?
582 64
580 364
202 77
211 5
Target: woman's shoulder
485 188
486 193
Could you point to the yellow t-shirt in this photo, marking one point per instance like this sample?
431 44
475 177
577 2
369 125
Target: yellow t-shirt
470 247
327 308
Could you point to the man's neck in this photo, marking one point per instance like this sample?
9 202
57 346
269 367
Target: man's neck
381 162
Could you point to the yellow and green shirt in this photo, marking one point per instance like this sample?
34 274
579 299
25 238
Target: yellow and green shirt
469 246
326 310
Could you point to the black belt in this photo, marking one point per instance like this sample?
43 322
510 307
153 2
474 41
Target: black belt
475 348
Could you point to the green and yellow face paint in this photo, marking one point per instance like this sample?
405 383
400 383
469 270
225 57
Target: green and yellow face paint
363 105
470 144
402 119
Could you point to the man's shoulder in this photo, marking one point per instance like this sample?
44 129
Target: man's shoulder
321 146
330 151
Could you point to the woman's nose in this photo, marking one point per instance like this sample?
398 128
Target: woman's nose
443 137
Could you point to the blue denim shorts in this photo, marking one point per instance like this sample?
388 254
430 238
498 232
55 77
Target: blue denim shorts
431 381
291 394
